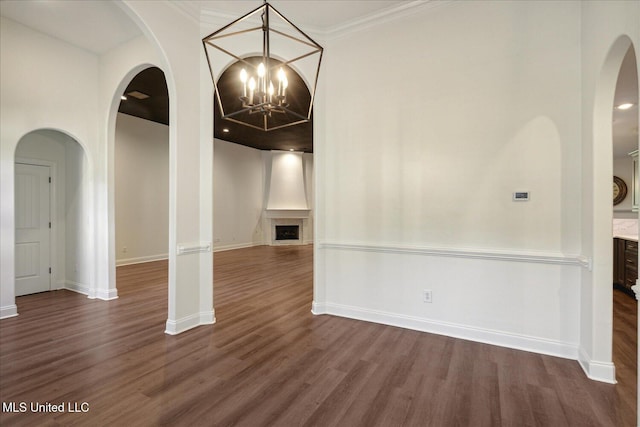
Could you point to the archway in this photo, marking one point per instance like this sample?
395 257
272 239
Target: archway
140 167
602 290
53 228
625 224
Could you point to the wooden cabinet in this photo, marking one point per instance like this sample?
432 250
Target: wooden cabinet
618 261
635 185
625 264
631 264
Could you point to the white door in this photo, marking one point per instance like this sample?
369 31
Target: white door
33 272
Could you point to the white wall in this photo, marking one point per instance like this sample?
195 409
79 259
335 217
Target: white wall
141 176
238 193
141 190
63 98
472 101
287 184
78 253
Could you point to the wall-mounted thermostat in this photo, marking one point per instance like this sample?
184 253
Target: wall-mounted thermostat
521 196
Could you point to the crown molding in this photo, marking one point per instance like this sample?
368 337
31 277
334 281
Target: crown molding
188 8
404 9
210 19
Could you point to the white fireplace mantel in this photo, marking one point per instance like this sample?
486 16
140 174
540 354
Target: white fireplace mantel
287 213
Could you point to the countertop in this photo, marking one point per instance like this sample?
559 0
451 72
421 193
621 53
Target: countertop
626 237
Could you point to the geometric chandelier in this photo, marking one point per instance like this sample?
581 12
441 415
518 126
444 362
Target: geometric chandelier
256 62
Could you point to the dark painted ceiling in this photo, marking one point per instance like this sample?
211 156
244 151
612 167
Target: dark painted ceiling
156 108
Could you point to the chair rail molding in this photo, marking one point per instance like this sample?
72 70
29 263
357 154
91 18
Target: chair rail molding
489 254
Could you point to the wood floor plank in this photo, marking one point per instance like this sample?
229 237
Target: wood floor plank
270 362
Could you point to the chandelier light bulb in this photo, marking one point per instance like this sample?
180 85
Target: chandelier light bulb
262 88
243 79
281 78
252 87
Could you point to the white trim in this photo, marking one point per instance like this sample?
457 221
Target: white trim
598 371
210 18
380 17
175 327
236 246
105 295
72 286
8 311
193 248
287 213
141 260
488 336
488 254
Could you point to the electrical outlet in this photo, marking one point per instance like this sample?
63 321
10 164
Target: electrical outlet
124 250
426 296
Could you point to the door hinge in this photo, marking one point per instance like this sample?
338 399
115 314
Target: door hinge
49 180
49 224
49 270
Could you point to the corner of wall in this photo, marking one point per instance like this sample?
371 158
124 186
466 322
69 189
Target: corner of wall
598 371
8 311
175 327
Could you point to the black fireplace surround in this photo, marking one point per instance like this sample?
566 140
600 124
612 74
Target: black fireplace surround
287 232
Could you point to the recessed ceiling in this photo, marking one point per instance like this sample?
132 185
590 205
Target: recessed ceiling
297 137
147 96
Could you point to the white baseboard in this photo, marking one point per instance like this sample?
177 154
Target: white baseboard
223 248
487 336
142 259
75 287
175 327
599 371
104 294
8 311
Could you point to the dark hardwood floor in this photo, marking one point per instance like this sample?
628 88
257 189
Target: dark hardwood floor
269 362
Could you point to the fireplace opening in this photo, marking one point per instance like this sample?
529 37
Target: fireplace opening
287 232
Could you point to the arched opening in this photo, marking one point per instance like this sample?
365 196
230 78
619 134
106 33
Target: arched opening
263 185
603 317
52 206
141 171
625 222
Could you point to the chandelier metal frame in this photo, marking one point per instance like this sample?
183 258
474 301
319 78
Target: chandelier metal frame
264 101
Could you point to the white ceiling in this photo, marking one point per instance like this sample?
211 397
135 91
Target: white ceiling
327 15
99 26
